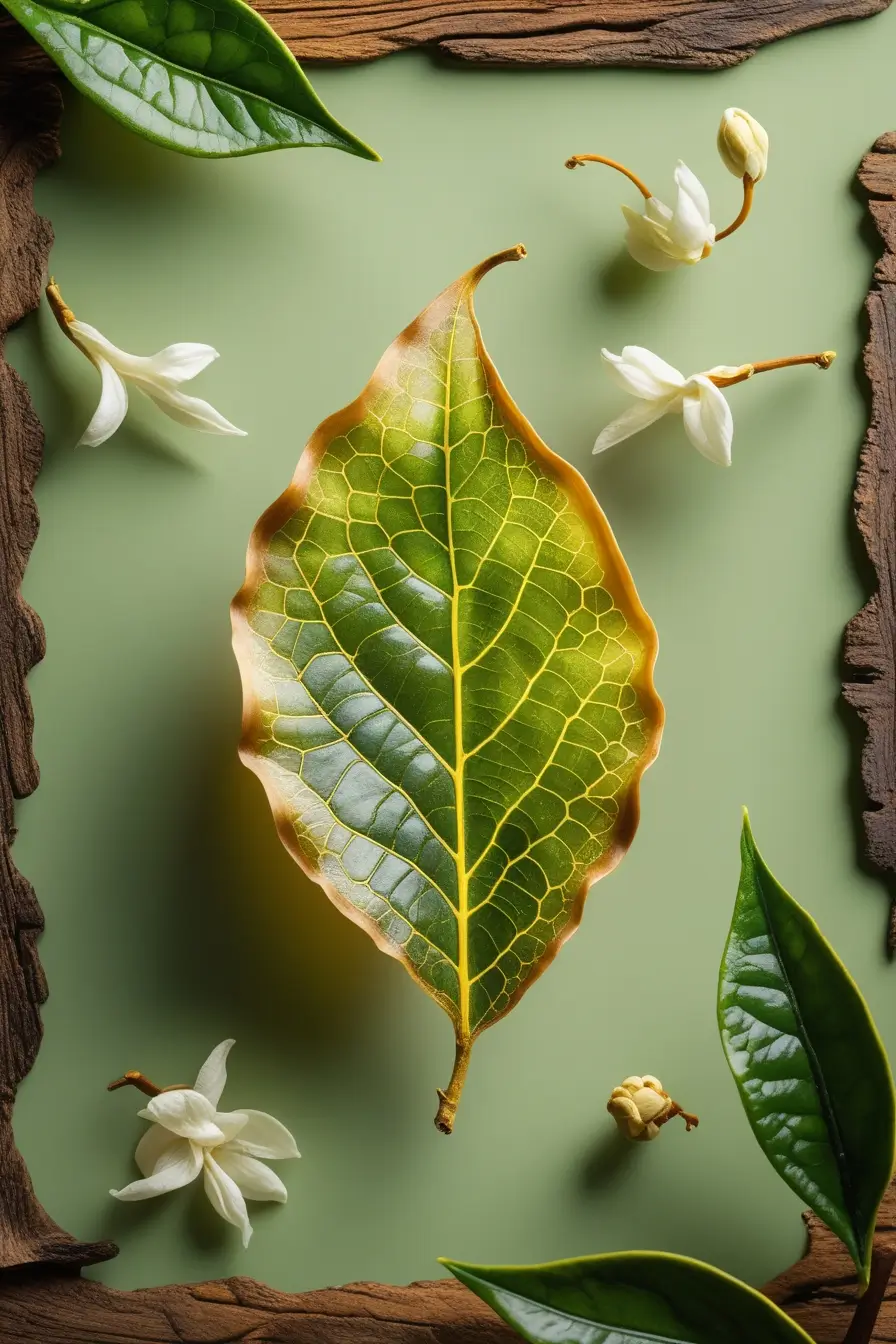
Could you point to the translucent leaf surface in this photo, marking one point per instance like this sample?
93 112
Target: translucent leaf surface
636 1297
808 1062
447 674
206 77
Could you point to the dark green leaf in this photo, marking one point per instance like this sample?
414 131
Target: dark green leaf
631 1298
206 77
809 1064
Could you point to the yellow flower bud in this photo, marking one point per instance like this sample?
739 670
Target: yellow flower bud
637 1104
743 144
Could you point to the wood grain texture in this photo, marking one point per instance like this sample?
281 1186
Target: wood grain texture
64 1310
691 34
820 1292
30 108
870 644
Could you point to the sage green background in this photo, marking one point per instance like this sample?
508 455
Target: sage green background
173 917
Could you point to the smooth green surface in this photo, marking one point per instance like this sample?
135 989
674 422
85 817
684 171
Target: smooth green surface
208 78
448 673
175 919
638 1298
808 1062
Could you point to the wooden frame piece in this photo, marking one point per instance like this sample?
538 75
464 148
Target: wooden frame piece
686 34
870 645
43 1300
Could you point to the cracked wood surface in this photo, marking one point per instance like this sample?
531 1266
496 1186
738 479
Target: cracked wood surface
870 645
691 34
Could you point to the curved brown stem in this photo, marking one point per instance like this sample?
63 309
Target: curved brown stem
578 159
749 185
690 1121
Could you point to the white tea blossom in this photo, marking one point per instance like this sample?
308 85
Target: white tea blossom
662 239
158 376
661 390
189 1135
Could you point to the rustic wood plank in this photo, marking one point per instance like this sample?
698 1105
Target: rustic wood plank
692 34
870 644
30 108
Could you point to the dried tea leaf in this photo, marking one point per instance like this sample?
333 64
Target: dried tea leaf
447 674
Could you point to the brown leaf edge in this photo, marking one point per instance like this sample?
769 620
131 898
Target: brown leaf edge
699 35
870 641
417 333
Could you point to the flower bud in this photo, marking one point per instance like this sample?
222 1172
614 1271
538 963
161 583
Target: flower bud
637 1104
743 144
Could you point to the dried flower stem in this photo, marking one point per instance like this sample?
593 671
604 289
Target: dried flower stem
749 184
144 1085
690 1121
823 360
578 159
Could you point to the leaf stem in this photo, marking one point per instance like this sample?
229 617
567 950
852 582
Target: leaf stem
823 360
861 1330
749 184
578 159
145 1085
451 1096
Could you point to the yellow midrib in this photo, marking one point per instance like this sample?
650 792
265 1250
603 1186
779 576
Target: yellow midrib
463 953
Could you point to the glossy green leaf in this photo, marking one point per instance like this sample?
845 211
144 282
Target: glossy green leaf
447 674
636 1297
206 77
810 1067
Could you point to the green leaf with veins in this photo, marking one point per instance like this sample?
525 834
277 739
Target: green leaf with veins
808 1062
447 674
206 77
635 1297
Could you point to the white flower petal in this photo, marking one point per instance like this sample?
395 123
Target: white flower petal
656 211
212 1077
688 231
633 420
708 421
253 1178
112 408
265 1137
642 373
186 1113
180 362
648 244
225 1197
231 1123
95 344
153 1146
190 411
689 183
178 1166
